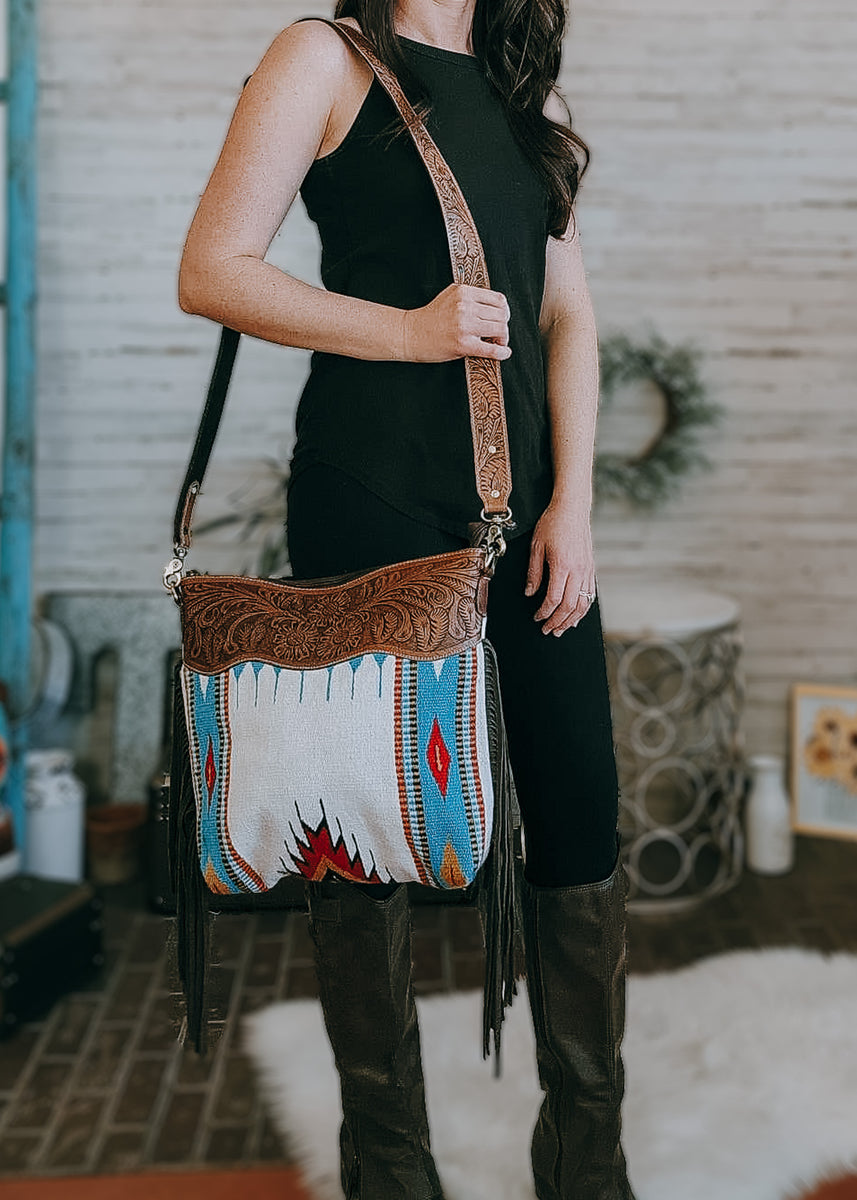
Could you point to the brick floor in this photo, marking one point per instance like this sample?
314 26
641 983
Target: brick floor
100 1082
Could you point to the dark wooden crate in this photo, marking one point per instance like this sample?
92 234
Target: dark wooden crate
50 940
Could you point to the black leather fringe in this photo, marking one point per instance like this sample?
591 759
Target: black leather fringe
193 920
498 880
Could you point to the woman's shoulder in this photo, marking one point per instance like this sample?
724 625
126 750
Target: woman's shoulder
313 37
308 52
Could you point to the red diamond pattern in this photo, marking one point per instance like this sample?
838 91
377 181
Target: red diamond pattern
438 757
210 769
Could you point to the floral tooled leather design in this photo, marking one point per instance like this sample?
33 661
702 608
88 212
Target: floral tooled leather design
425 608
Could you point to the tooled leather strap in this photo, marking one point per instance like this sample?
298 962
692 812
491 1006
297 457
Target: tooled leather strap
484 382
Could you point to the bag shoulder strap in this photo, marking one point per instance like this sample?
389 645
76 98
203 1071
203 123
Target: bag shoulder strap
484 383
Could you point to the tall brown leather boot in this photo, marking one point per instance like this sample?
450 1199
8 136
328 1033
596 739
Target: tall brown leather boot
363 962
576 966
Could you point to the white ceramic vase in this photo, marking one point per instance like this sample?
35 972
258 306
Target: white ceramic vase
55 811
770 839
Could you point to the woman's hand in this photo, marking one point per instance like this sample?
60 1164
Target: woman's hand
461 320
562 540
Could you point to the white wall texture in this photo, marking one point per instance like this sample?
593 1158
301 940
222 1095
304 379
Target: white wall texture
721 207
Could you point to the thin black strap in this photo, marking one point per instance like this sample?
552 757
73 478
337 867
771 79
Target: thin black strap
484 382
206 433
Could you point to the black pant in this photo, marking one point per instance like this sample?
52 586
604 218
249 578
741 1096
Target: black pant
554 689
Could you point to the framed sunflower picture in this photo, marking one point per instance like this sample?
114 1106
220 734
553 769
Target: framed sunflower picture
824 760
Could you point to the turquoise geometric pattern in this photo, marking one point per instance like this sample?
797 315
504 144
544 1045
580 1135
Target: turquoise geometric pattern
407 795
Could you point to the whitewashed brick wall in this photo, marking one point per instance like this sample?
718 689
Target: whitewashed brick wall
721 206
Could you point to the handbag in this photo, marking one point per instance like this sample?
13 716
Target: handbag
351 724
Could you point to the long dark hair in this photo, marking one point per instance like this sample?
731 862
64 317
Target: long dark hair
519 44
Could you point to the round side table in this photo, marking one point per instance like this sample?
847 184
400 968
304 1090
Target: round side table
677 693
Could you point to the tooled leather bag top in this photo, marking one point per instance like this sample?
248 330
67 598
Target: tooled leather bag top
424 608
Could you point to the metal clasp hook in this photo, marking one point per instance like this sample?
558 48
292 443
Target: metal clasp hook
495 544
173 572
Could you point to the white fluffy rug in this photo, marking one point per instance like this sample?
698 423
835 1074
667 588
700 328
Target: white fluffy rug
741 1082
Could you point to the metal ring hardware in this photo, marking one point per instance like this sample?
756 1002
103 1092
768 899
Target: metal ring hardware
173 573
502 518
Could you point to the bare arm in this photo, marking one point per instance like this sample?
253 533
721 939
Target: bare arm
570 345
276 131
562 539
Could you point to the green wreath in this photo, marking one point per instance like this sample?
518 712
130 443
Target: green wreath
649 478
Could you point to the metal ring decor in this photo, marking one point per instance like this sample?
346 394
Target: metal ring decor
676 710
652 476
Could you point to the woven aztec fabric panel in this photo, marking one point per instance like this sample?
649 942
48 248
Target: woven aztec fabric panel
376 768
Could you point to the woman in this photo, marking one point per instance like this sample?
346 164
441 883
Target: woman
382 471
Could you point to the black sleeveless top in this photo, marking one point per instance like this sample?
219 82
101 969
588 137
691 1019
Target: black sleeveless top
403 428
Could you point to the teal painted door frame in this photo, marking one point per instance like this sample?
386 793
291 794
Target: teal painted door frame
19 295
